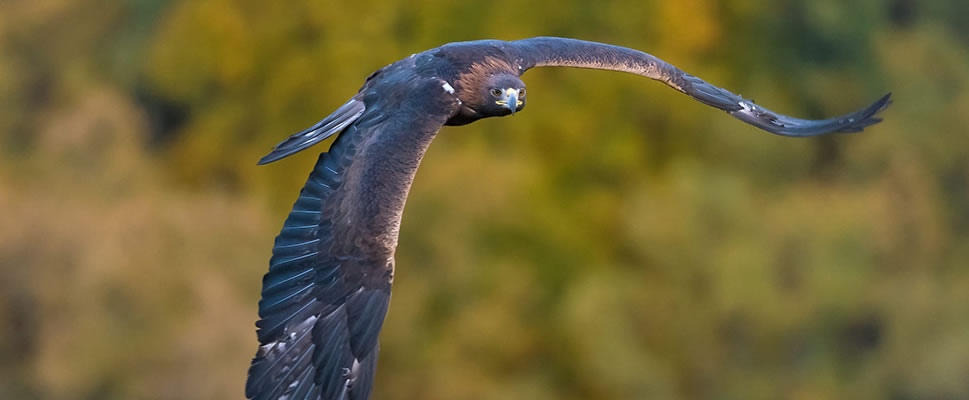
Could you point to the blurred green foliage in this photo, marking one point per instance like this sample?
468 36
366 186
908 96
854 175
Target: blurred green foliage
616 240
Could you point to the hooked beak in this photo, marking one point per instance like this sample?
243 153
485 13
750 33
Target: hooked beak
510 100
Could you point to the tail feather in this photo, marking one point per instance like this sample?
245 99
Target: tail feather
334 123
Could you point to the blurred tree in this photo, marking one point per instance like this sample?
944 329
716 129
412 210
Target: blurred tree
616 240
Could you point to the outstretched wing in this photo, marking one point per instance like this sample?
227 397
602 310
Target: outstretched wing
550 51
328 287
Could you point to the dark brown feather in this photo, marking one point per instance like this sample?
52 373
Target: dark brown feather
327 291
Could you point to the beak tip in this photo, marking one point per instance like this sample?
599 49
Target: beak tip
510 100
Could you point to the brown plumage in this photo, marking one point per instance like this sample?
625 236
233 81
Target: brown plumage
328 287
477 75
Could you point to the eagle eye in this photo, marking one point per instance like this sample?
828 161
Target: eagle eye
496 92
521 92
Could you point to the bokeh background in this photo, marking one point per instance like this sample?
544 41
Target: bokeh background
616 240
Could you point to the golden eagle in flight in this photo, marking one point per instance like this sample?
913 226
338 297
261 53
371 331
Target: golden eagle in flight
328 287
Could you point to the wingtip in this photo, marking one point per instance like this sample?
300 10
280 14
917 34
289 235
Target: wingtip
876 108
880 105
885 101
784 125
869 116
888 99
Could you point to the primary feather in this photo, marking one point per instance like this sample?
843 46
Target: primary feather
327 291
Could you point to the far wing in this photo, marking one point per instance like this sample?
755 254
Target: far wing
550 51
328 287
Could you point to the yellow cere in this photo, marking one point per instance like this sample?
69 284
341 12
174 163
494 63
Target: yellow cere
509 92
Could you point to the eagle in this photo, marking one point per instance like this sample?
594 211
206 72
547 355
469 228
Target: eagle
327 291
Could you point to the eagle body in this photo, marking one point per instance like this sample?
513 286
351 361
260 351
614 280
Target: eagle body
327 291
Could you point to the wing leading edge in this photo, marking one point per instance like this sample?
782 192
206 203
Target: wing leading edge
327 291
561 52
